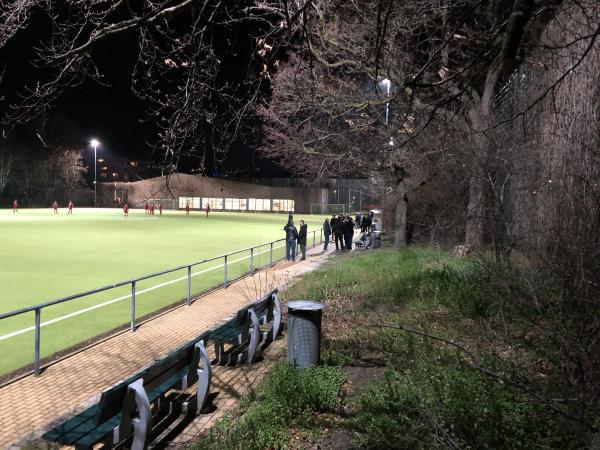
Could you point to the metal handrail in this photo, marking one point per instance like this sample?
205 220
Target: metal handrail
37 309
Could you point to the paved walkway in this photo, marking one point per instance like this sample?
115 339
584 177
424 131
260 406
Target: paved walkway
30 404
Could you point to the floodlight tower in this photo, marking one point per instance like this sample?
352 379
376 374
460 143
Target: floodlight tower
387 84
95 144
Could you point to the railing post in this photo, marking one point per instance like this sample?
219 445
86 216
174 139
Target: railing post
314 238
132 306
271 255
189 285
225 272
36 350
252 260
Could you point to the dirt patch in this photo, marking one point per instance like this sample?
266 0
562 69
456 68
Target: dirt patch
362 372
338 440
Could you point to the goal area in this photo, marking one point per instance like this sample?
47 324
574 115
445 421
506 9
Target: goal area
327 208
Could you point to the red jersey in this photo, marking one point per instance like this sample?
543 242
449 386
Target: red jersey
125 208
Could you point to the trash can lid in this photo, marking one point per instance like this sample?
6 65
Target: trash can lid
304 305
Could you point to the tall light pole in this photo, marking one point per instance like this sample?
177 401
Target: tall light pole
95 144
387 84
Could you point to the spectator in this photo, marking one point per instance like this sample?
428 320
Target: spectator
326 233
348 232
302 239
363 223
338 233
291 234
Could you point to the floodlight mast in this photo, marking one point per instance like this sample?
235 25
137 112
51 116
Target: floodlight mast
95 144
387 84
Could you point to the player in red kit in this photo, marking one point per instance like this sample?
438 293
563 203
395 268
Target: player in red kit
187 209
160 209
55 207
151 209
146 207
126 210
70 207
15 206
207 209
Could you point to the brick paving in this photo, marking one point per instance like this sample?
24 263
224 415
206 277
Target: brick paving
31 404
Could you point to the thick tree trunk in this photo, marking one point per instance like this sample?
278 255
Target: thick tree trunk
400 223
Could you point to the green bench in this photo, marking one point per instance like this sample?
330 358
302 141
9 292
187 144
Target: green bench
259 322
124 411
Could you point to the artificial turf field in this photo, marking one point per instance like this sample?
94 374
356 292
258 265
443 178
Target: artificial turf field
44 256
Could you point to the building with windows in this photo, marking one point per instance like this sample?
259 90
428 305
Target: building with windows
178 190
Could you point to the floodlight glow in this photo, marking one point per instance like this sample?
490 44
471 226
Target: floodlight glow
94 142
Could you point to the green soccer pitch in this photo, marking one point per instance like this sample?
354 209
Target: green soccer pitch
45 256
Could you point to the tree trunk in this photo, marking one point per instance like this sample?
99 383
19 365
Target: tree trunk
479 118
400 223
475 211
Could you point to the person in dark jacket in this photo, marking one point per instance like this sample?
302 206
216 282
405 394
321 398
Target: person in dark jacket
291 234
302 239
338 233
363 223
348 232
326 233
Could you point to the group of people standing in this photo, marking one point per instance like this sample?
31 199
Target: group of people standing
295 237
55 207
365 221
342 229
149 208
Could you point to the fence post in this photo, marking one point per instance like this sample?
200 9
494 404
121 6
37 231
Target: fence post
36 351
321 236
271 256
225 272
314 238
252 260
132 306
189 285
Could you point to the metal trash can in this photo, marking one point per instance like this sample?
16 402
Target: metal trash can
304 333
376 239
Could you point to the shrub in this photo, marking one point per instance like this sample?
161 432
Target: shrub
287 399
431 406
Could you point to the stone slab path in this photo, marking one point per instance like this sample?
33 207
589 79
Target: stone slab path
30 405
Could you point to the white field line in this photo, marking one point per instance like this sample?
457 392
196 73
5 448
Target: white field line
124 297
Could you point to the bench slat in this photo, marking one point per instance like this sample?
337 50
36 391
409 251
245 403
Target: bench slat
97 434
56 434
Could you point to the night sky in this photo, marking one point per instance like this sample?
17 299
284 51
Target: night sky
115 116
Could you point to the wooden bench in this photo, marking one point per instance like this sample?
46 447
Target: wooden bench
258 322
124 411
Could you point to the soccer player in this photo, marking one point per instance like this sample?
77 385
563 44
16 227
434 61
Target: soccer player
207 209
160 209
55 207
151 209
146 208
126 210
187 209
15 206
70 207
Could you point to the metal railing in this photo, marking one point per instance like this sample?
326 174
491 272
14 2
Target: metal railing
37 309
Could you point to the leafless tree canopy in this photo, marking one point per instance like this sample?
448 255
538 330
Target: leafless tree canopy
177 71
